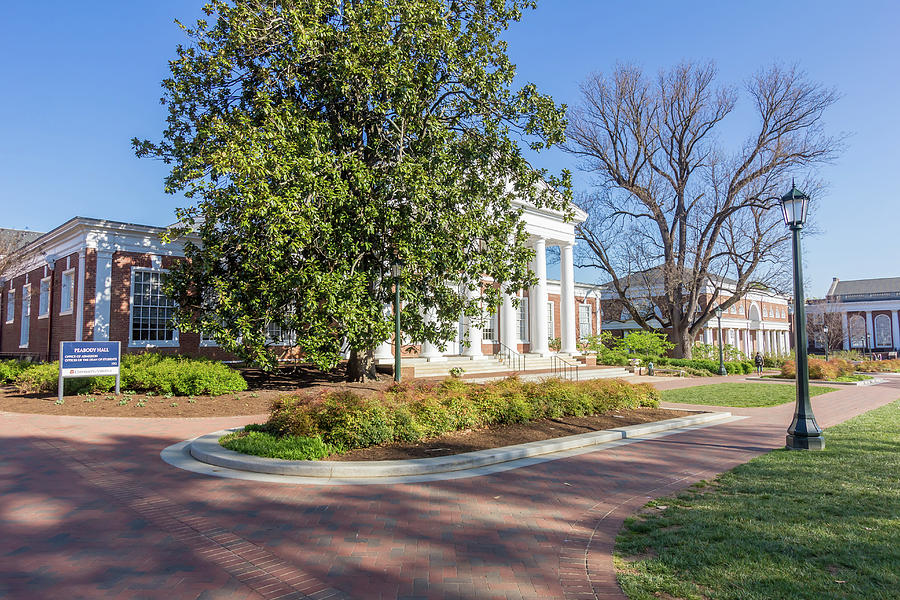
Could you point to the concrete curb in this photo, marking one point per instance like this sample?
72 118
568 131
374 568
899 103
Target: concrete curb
207 449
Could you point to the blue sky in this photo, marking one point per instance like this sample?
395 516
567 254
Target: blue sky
82 79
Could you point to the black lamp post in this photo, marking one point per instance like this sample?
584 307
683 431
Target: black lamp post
395 271
804 433
722 370
825 331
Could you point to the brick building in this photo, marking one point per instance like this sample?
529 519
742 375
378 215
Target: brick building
92 279
760 321
861 314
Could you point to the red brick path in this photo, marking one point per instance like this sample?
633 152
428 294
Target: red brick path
89 510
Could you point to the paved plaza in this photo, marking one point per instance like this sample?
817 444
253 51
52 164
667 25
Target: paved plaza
89 510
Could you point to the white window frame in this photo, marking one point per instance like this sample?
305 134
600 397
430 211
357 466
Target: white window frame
44 299
207 342
132 343
25 323
889 338
523 329
489 333
69 290
287 338
585 309
551 322
857 339
10 306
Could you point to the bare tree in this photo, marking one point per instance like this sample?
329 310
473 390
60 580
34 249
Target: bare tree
10 241
824 324
674 213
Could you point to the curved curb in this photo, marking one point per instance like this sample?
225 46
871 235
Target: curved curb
207 449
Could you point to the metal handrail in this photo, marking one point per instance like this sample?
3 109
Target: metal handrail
510 357
563 368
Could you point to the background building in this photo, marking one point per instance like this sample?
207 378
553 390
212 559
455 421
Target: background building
861 314
758 322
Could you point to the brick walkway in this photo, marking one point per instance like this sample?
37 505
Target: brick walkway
88 510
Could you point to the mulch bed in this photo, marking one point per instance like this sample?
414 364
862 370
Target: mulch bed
507 435
263 390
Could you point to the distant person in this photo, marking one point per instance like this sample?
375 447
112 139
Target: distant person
758 361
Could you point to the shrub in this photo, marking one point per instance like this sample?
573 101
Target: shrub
789 369
412 411
712 366
10 369
44 378
290 447
819 369
177 375
879 366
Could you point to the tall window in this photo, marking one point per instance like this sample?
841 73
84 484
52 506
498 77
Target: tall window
151 311
489 333
10 306
883 338
523 319
44 300
26 316
279 336
584 320
857 331
67 292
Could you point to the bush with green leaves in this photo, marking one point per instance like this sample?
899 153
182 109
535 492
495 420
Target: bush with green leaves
176 375
10 369
409 412
289 447
732 367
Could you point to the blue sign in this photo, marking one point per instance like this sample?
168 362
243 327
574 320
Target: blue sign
88 359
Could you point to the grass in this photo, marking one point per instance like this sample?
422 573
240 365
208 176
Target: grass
739 394
790 524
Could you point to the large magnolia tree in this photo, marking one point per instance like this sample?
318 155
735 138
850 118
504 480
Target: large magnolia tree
321 142
676 212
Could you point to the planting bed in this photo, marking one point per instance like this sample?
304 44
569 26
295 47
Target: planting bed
458 442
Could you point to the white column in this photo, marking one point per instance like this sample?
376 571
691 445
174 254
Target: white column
895 329
430 351
509 323
567 300
870 330
845 328
103 296
474 332
538 301
384 352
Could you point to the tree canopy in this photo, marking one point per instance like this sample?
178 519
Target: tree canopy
321 142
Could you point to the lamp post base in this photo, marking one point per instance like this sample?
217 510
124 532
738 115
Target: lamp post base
796 442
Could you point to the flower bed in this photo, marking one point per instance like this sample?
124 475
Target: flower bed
410 412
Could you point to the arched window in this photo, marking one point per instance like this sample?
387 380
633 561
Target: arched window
857 331
883 338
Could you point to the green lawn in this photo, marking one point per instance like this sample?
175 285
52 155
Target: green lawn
739 394
790 524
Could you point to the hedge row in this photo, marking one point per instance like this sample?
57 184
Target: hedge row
150 372
879 366
411 412
732 367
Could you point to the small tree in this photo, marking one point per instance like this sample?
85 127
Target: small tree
646 343
324 142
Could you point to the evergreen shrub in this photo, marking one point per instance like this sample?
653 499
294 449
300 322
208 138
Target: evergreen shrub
408 412
176 375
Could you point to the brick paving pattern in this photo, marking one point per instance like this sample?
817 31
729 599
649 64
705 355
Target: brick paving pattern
89 510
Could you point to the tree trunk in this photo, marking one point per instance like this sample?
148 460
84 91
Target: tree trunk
361 366
684 344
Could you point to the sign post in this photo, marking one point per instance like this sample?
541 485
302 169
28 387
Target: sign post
89 359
